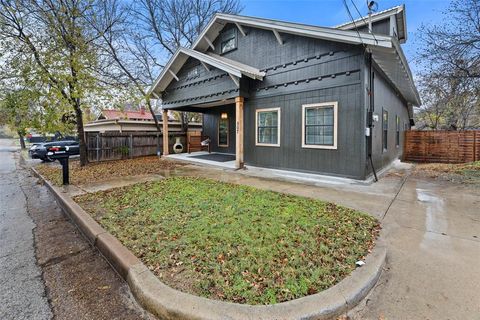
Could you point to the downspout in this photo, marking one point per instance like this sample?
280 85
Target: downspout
371 107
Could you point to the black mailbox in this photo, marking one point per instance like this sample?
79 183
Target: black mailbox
61 154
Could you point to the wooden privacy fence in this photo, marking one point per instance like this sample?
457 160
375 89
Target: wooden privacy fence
442 146
116 145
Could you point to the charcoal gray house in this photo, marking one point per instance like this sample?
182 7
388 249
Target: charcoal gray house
297 97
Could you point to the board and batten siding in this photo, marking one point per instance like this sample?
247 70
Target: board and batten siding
387 99
347 160
300 71
210 127
304 71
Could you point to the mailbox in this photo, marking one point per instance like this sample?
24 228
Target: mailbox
61 154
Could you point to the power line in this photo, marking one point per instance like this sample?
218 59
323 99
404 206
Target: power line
353 20
361 17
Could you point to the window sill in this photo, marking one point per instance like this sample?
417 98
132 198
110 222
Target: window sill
266 145
309 146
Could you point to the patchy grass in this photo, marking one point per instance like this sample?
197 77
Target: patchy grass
462 172
232 242
105 170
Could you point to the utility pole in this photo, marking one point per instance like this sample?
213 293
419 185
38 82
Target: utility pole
372 5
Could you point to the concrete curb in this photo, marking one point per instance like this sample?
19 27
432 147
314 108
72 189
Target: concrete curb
168 303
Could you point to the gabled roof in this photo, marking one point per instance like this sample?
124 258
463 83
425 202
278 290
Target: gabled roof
234 68
220 19
129 115
386 50
398 12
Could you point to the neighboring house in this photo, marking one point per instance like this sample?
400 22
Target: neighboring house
132 121
141 115
298 97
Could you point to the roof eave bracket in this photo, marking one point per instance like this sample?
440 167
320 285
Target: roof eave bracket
278 36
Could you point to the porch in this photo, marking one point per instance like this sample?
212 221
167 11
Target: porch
216 159
224 129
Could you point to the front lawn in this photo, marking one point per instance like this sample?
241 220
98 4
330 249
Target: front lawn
98 171
234 243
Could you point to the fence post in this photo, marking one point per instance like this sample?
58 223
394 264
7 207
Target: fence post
97 147
474 146
130 146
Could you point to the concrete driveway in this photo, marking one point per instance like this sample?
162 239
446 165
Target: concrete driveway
433 234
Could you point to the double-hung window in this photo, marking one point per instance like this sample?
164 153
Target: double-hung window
320 125
385 130
267 124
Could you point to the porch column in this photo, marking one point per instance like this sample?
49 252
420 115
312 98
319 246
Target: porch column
239 132
165 132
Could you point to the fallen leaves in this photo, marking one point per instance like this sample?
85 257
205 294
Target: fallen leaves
99 171
233 242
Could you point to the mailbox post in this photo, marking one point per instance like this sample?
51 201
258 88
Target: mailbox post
61 154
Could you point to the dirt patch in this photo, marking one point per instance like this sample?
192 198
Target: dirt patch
460 173
95 172
80 283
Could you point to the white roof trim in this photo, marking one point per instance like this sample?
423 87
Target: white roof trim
249 71
360 22
233 68
395 66
333 34
375 17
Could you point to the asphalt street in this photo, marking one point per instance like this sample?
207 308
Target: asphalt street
23 294
47 268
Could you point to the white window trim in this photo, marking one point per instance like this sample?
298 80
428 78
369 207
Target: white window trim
278 127
335 125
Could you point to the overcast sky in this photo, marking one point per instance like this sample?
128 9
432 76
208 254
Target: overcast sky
332 12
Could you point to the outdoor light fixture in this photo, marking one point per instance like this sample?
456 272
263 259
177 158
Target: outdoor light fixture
224 115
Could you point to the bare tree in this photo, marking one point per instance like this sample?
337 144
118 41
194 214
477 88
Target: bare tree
455 43
450 76
149 34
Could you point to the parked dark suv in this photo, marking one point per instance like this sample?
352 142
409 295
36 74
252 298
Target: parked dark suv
39 151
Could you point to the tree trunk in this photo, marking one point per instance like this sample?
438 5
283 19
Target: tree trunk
22 141
147 100
81 134
184 121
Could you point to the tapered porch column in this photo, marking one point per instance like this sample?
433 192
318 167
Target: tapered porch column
239 132
165 132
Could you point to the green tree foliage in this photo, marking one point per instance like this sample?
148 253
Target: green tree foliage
51 44
16 112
